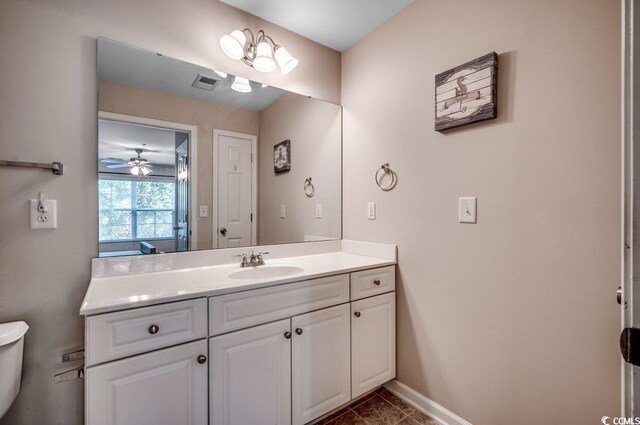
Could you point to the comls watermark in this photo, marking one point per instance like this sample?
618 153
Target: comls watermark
606 420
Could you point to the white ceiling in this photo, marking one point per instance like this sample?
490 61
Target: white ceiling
125 64
338 24
119 140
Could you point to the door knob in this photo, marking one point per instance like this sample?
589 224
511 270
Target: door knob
376 282
287 335
357 314
153 329
223 231
202 359
299 331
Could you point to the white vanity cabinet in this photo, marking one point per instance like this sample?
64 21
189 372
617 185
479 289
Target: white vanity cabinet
163 387
279 355
373 342
321 362
250 375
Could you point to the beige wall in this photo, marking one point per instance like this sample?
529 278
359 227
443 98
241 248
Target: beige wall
314 128
48 72
207 116
511 320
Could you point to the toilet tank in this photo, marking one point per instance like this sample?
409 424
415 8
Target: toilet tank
11 345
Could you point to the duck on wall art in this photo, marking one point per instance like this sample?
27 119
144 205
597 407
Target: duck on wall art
467 93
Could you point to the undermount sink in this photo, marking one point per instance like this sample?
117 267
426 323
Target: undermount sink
264 272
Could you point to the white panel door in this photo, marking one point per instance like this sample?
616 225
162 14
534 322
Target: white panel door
164 387
234 191
373 342
251 376
320 362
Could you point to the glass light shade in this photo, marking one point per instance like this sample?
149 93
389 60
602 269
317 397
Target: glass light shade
145 170
241 84
264 58
135 170
220 73
285 60
233 44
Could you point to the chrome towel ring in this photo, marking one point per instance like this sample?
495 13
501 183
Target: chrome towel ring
386 171
309 188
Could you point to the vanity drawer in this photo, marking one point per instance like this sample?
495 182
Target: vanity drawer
113 336
249 308
373 282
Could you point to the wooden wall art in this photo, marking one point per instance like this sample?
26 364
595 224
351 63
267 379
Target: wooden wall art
467 93
282 157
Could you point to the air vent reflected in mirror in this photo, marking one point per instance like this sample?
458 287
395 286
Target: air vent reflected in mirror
204 82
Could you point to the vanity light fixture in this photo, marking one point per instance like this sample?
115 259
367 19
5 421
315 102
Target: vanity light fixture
258 52
241 85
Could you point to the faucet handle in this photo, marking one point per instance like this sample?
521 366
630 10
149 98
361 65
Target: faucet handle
260 254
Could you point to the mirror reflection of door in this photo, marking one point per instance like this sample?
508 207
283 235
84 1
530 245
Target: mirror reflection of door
182 192
235 189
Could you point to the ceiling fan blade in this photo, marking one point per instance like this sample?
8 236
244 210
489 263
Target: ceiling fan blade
111 161
118 166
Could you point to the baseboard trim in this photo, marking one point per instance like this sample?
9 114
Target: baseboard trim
426 405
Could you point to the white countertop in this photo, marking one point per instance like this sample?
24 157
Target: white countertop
119 292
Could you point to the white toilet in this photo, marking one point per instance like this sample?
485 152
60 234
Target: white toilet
11 343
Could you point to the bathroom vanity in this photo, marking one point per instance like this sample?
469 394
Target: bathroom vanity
192 338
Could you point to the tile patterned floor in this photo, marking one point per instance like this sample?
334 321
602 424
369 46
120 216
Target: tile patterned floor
378 408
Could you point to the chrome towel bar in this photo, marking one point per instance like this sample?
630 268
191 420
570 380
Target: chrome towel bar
56 167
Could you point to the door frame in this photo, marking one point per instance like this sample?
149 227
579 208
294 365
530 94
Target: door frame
254 183
193 160
630 179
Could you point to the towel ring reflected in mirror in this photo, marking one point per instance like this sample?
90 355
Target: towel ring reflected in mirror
309 188
386 170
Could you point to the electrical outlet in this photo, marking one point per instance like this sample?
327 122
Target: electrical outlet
371 211
45 217
467 210
318 210
204 211
283 211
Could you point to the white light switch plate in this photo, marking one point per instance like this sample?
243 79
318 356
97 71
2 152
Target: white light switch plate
204 211
467 210
318 210
283 211
43 220
371 211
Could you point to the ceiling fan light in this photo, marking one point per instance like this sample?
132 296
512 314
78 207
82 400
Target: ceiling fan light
241 84
263 61
220 73
233 44
145 170
285 60
135 170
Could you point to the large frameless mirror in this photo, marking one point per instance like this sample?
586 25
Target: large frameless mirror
192 158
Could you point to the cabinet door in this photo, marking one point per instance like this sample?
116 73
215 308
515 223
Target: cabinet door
373 342
251 376
320 362
163 387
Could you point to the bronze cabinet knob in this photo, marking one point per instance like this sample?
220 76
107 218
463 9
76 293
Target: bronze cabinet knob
299 331
287 335
202 359
376 282
153 329
357 314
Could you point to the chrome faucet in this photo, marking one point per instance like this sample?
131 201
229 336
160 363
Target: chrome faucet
253 260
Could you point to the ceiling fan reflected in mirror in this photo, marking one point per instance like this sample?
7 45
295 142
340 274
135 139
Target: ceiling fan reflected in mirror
139 166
